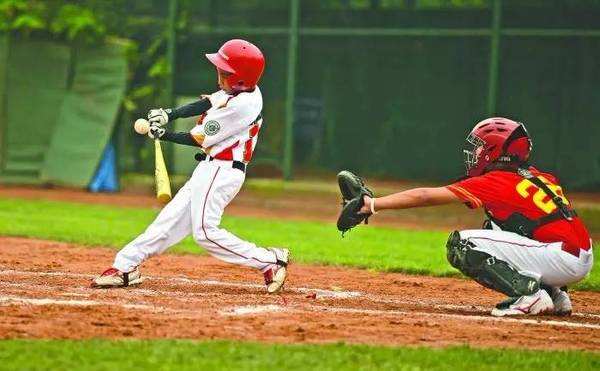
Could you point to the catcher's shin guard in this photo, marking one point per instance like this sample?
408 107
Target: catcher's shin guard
486 270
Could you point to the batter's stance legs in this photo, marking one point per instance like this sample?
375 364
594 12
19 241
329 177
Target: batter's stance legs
171 225
217 186
197 209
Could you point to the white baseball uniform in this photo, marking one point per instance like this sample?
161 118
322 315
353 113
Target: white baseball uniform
228 132
547 262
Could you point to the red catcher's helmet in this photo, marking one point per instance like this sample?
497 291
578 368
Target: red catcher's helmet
243 60
496 141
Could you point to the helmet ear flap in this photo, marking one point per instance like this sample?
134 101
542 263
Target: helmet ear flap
520 148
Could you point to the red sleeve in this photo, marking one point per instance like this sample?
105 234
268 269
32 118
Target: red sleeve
478 191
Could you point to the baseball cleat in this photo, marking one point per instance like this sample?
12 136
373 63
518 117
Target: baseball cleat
113 277
537 303
276 275
562 302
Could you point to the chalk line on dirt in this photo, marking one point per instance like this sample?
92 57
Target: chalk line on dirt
10 300
321 293
252 309
303 290
268 309
468 317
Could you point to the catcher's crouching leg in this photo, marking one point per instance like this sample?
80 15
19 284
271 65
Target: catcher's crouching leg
488 271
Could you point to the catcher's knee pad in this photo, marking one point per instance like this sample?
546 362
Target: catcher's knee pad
456 249
487 270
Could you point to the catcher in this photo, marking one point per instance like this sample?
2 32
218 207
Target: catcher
532 245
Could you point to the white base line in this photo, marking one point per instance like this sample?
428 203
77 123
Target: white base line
269 309
86 292
11 300
345 295
465 308
253 309
303 290
539 322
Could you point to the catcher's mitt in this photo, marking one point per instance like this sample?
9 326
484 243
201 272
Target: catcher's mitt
353 190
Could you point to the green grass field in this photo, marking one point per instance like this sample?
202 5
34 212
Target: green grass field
383 249
224 355
373 248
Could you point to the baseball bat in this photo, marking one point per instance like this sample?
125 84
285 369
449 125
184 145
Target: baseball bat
163 185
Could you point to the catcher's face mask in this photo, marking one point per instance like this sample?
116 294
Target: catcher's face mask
472 152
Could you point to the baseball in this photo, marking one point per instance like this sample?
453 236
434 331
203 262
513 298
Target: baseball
141 126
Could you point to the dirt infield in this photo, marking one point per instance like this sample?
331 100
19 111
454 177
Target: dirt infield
44 293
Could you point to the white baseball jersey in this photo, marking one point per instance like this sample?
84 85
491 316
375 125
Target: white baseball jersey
229 129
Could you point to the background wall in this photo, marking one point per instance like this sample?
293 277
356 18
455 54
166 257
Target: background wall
396 91
59 109
384 87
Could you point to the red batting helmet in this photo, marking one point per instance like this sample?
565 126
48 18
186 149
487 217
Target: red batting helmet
496 140
243 60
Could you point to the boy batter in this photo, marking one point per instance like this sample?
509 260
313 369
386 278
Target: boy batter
533 244
227 131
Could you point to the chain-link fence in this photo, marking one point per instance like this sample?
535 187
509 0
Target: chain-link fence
384 87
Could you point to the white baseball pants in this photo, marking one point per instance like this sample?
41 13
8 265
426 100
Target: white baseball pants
197 210
543 261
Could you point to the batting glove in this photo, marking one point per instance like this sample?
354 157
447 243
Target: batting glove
159 117
156 132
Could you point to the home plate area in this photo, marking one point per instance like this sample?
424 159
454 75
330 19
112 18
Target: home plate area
45 293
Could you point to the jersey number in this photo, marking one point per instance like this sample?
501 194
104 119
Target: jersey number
540 199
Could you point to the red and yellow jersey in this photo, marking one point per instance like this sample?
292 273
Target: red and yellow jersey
503 193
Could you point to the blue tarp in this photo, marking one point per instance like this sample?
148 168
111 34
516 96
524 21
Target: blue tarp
105 179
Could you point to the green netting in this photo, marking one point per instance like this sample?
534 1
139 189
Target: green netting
3 75
399 107
87 116
552 85
36 86
393 106
402 106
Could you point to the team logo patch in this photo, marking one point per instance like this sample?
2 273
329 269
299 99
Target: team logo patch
212 127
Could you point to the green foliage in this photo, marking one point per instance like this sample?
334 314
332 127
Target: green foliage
160 68
232 355
90 22
28 22
385 249
78 23
153 65
22 15
65 21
